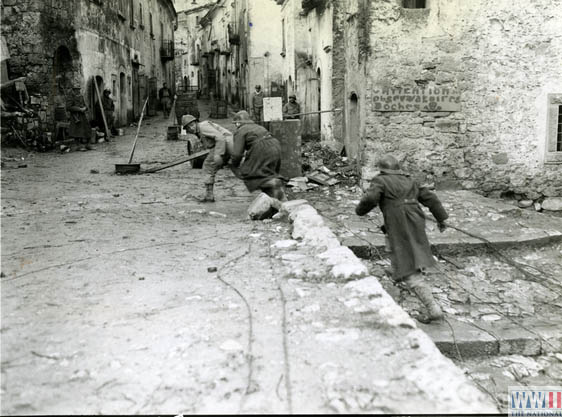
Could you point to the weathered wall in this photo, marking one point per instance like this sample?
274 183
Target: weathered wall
101 40
264 45
503 58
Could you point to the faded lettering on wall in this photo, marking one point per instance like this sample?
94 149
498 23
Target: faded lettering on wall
416 99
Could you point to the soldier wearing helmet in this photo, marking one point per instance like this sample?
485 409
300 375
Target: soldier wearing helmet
398 197
257 104
292 108
218 141
262 157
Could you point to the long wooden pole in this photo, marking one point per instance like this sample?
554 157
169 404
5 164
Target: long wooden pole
315 112
101 107
138 130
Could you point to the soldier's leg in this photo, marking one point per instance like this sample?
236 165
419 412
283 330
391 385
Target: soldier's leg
210 169
422 290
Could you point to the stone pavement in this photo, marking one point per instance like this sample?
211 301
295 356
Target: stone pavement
495 220
493 308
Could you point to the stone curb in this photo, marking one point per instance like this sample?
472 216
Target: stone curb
310 229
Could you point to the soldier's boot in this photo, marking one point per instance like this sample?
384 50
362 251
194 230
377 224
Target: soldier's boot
423 292
209 196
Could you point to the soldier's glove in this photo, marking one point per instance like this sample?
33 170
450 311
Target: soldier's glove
442 226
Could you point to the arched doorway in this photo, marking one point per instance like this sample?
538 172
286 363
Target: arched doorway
94 101
122 99
353 125
63 70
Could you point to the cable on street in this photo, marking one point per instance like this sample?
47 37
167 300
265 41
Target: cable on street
249 353
287 365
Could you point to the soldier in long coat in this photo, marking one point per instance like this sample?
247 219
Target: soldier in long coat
79 126
262 157
398 196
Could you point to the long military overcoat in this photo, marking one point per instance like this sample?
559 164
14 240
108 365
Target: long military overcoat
397 195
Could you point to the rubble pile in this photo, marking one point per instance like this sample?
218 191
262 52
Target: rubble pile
323 167
24 124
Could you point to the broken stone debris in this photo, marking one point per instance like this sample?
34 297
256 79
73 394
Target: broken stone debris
263 207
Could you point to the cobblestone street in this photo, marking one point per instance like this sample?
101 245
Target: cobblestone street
106 291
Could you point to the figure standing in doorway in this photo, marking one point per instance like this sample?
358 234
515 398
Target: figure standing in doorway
398 197
257 105
79 128
165 97
291 109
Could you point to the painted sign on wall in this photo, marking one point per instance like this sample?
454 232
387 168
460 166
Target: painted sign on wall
416 99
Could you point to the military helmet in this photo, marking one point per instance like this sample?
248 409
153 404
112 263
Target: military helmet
388 163
242 117
187 119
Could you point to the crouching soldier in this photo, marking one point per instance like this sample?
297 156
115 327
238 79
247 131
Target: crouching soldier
397 196
218 141
262 157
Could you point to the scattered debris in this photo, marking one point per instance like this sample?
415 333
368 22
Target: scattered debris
212 269
94 171
323 178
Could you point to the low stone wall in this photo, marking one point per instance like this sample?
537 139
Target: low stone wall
441 386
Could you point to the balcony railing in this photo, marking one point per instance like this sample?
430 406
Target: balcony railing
167 51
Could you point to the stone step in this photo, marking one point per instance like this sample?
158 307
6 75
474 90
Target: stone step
493 339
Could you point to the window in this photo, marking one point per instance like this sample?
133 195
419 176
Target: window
196 20
132 13
151 27
554 129
414 4
559 134
121 9
283 37
141 19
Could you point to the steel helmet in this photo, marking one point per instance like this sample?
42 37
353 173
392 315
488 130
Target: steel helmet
187 119
242 117
388 163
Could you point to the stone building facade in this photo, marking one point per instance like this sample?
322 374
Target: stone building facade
188 43
126 45
313 64
468 93
240 46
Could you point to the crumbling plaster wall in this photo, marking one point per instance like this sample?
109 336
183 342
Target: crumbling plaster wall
503 57
100 43
264 44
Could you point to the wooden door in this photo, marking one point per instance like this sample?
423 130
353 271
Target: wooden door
311 122
135 90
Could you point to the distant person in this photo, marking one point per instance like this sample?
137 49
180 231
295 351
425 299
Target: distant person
292 109
262 157
165 97
218 140
257 104
79 128
397 196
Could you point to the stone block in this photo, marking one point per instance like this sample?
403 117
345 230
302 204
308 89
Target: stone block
288 134
446 126
552 204
500 158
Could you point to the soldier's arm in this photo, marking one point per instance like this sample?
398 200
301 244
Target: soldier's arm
238 149
371 198
431 201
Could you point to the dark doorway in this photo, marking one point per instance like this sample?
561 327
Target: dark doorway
122 99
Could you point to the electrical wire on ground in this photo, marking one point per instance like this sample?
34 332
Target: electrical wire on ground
287 364
249 354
